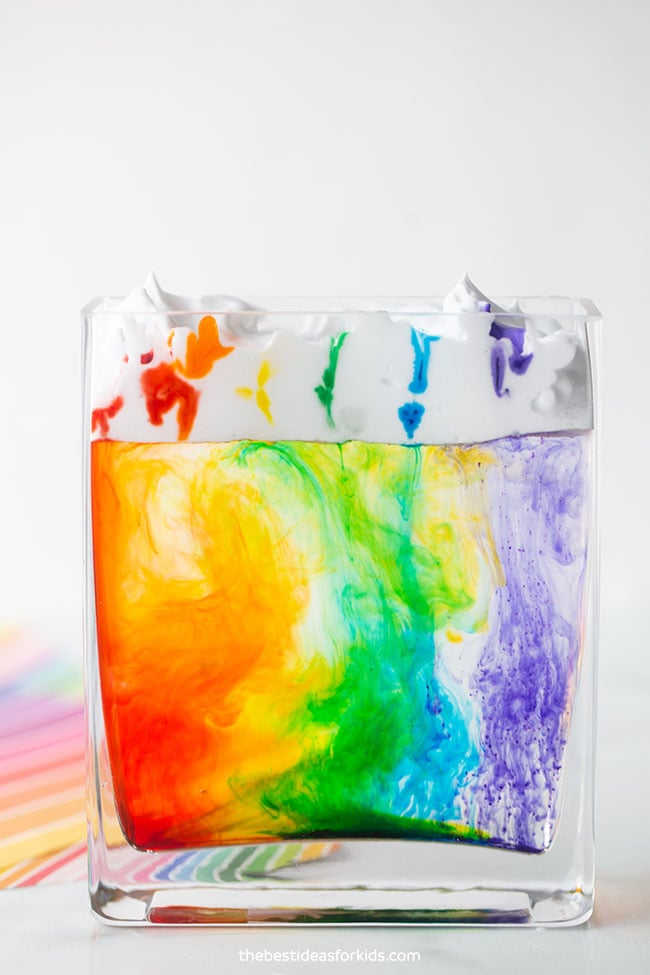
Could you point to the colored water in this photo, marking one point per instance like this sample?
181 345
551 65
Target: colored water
302 640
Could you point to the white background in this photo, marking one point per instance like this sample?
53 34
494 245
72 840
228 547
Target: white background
288 146
339 146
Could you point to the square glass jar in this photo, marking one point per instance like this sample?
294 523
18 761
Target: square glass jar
341 604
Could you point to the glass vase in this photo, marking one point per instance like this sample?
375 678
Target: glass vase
341 611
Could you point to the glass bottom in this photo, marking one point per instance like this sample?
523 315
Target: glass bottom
357 882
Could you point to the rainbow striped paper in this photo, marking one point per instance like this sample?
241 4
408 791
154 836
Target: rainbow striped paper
42 798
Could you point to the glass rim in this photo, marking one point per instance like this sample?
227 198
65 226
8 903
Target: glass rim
550 306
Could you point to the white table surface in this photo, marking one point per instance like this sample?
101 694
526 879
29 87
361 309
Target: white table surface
50 928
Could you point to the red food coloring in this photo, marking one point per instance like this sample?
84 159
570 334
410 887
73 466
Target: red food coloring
125 357
146 358
101 416
163 389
